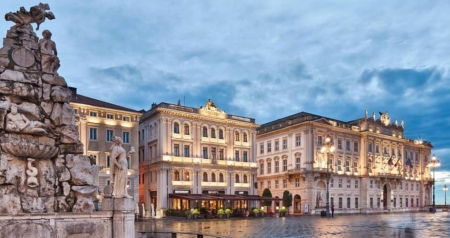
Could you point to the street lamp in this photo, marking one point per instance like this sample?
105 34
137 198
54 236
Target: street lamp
445 194
434 163
327 148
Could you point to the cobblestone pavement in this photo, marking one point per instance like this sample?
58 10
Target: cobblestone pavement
375 225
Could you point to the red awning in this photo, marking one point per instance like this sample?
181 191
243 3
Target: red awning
210 197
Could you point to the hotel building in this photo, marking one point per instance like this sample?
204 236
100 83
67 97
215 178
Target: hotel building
372 168
196 157
98 122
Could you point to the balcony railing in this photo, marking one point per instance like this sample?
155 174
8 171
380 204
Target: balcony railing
296 171
214 184
179 159
182 183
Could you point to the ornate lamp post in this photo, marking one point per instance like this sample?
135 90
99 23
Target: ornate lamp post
327 148
445 194
434 163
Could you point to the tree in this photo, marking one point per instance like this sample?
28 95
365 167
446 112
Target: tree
287 199
267 193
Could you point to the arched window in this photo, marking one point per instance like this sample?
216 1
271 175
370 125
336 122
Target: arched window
205 131
221 177
237 179
176 176
245 178
221 134
176 128
186 129
213 133
205 177
245 137
213 177
186 176
236 136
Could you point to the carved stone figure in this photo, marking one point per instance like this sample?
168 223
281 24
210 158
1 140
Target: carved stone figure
49 61
37 14
32 172
17 122
119 170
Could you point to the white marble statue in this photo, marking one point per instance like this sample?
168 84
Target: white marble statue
50 60
119 169
17 122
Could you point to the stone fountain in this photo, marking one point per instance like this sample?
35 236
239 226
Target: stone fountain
47 186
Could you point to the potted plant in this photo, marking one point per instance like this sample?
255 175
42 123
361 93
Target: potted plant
255 212
262 211
188 214
282 212
228 211
195 213
221 212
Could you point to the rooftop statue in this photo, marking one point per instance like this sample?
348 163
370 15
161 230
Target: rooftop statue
37 14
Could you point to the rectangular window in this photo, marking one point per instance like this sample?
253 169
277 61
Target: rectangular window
269 184
371 183
93 114
284 183
284 143
261 148
244 156
297 182
109 135
269 147
93 133
221 154
277 166
339 165
356 203
261 184
126 118
269 167
277 145
406 202
176 150
349 183
108 161
276 183
126 137
297 140
261 168
236 155
370 149
187 151
356 183
401 185
331 183
401 202
332 200
319 140
377 149
205 152
340 144
378 202
340 203
395 202
371 202
284 165
340 183
348 202
347 166
297 163
355 146
417 187
109 116
347 145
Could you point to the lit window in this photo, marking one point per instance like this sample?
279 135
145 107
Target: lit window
126 137
176 175
205 177
237 178
93 133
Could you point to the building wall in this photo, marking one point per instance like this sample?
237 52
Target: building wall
165 169
355 172
119 122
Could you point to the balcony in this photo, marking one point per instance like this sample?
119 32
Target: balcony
182 183
179 159
296 171
214 184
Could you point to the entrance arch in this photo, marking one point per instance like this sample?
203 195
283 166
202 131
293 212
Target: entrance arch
386 196
297 204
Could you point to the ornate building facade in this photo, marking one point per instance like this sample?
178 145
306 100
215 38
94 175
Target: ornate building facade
98 122
372 168
187 152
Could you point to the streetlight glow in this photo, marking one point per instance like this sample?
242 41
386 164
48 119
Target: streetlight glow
327 148
434 163
445 192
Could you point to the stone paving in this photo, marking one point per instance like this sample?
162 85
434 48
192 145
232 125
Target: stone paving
374 225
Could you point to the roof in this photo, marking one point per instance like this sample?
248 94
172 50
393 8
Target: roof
78 98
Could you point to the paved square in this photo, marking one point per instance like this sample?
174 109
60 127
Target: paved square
377 225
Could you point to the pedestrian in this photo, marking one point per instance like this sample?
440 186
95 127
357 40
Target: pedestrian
332 210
